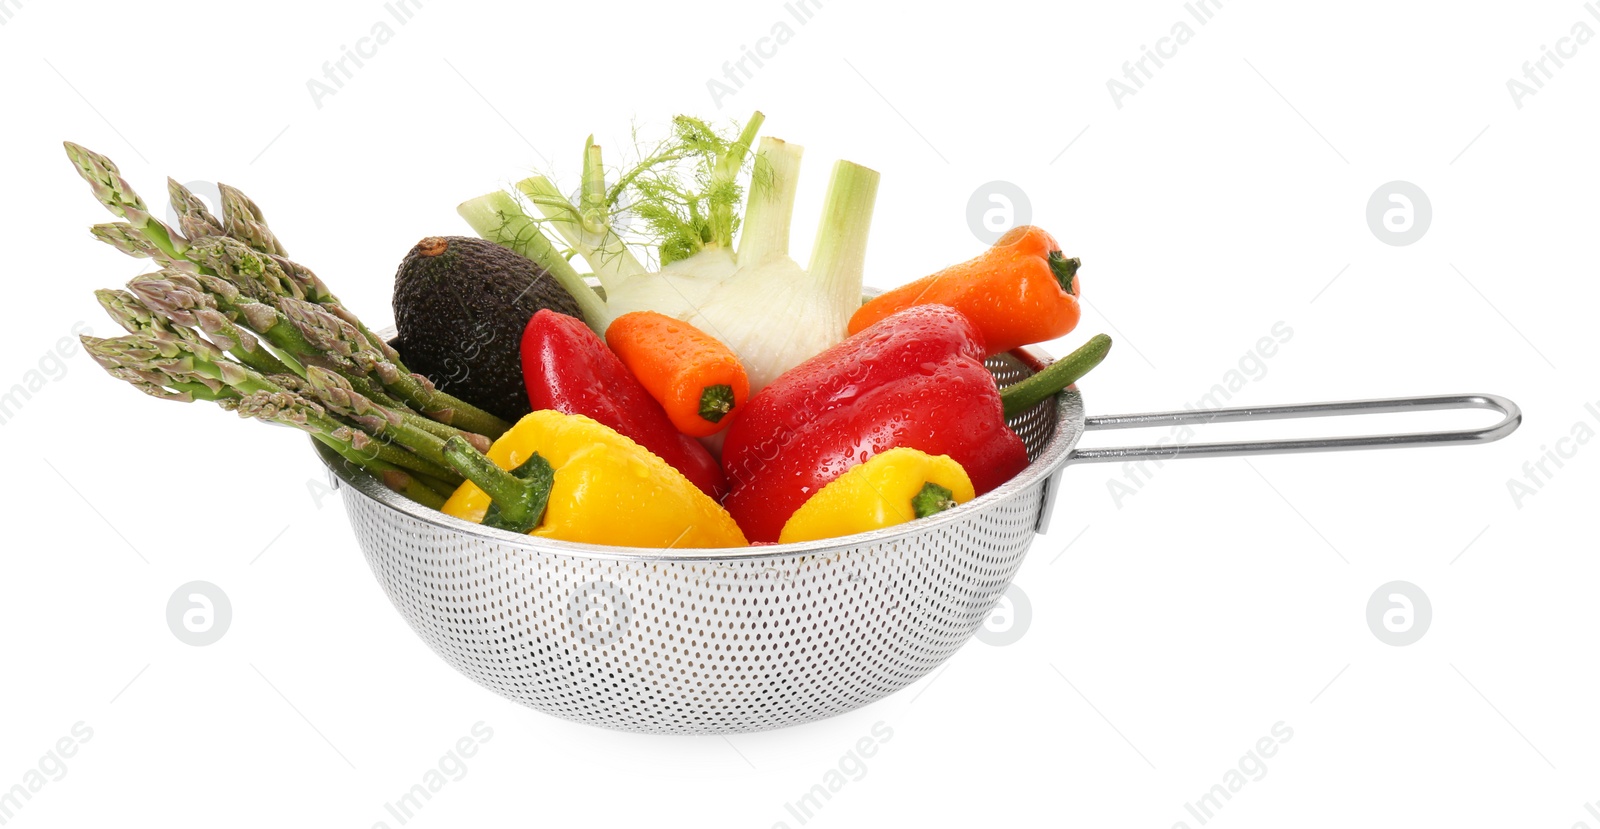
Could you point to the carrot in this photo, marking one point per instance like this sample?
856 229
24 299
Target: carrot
696 378
1021 291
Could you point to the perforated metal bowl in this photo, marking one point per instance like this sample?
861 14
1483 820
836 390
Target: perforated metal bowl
708 641
720 641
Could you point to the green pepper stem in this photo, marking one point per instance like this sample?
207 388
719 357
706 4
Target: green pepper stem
716 402
519 496
1020 397
931 500
477 468
1064 269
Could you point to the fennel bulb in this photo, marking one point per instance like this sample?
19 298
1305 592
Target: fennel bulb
754 297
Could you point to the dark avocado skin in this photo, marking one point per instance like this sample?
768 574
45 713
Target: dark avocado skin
460 316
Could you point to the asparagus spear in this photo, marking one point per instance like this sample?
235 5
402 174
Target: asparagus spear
332 335
322 332
336 393
263 277
340 395
174 294
286 410
233 276
126 238
194 219
159 356
135 317
313 286
201 370
127 311
222 331
256 276
245 222
316 290
413 486
119 197
158 384
255 236
180 300
168 366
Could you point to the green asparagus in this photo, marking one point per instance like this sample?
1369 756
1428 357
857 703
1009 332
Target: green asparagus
245 222
194 219
238 269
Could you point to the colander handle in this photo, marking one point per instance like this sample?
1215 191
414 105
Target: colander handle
1172 450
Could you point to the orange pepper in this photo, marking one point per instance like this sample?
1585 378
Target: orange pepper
1021 291
695 378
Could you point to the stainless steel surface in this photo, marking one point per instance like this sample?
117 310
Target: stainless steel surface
708 641
1507 424
676 641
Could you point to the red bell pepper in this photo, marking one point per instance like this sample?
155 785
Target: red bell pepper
569 369
914 379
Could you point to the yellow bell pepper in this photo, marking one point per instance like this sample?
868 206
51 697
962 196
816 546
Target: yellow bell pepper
605 489
892 488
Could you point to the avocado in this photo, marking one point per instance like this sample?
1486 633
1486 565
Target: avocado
460 305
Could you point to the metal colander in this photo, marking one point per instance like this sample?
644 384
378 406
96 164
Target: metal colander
708 641
674 641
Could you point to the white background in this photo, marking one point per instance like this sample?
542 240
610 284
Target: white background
1169 632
